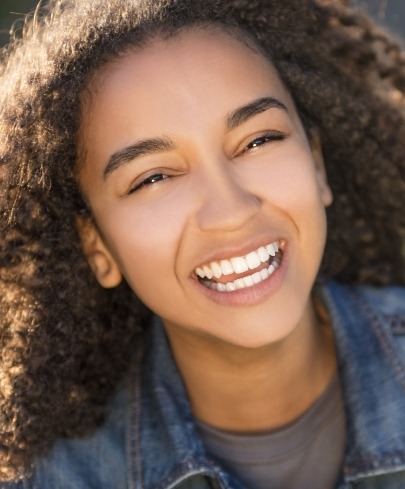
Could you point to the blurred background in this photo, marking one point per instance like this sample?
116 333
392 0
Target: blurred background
12 12
388 12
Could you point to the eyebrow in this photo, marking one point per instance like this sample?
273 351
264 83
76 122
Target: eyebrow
156 145
129 153
242 114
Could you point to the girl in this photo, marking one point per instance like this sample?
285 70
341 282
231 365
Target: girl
169 316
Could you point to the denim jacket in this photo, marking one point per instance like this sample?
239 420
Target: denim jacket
150 442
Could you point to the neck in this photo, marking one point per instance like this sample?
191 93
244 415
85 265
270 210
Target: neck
256 389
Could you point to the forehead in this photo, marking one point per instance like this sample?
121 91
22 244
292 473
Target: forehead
219 51
174 85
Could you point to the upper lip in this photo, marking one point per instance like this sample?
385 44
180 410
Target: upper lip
237 251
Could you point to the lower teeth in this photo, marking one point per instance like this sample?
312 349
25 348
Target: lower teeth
249 280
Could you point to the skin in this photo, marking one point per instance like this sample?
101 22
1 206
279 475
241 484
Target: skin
251 360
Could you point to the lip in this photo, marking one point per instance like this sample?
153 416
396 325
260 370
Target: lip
253 295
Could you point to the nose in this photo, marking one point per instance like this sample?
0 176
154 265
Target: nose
226 204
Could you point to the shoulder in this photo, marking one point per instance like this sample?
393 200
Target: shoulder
364 312
388 302
388 305
365 315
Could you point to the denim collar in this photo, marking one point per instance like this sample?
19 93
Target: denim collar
165 449
372 373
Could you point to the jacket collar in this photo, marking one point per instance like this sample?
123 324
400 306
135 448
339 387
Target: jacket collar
372 372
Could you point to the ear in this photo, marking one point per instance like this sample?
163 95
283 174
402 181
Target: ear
316 148
98 256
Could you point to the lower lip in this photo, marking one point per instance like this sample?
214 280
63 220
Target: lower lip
249 296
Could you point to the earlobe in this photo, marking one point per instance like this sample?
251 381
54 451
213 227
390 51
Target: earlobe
98 256
316 148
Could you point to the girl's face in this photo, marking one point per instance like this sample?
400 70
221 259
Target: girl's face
196 164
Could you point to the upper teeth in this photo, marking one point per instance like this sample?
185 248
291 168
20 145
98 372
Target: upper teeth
238 264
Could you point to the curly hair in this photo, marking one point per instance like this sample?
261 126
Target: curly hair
66 342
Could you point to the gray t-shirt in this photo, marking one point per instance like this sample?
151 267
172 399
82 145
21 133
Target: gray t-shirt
306 453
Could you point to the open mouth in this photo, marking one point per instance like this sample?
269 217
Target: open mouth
241 272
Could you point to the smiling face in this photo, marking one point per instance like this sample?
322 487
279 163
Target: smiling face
204 188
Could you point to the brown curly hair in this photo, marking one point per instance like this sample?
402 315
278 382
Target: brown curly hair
66 342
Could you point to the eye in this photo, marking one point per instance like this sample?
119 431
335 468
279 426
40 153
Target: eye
263 139
150 180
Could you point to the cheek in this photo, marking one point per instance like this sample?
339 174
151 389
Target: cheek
288 186
289 182
144 238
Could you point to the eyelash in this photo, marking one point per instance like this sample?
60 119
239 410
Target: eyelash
266 138
253 144
152 179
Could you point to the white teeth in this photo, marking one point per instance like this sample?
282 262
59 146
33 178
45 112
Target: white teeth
256 278
242 283
263 254
207 271
264 274
239 283
226 267
253 260
216 269
200 272
248 281
271 249
230 287
239 264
